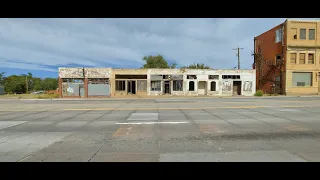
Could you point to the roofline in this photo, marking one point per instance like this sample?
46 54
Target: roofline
306 20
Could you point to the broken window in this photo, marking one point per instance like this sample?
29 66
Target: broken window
72 80
312 34
213 76
213 86
98 81
303 33
120 85
302 59
230 76
191 76
155 85
191 86
278 35
128 76
310 58
178 85
293 58
142 85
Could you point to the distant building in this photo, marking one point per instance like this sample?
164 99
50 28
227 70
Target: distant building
108 82
1 90
286 58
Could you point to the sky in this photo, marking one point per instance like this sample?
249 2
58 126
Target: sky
42 45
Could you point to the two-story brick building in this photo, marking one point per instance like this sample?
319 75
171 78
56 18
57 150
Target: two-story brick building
287 58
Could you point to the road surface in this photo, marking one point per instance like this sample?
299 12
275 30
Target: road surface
161 130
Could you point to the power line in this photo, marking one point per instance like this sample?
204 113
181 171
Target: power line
238 54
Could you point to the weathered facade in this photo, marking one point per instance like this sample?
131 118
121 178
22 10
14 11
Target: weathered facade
107 82
287 58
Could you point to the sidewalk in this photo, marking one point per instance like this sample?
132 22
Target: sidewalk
169 97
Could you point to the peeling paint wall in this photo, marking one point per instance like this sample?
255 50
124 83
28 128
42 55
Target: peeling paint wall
70 72
224 87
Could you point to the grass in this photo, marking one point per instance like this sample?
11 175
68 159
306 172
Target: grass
29 96
259 93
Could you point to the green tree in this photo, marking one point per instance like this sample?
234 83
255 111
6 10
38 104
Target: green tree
197 66
2 77
37 84
49 84
157 61
15 84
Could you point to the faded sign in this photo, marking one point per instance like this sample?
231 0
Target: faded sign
247 86
226 86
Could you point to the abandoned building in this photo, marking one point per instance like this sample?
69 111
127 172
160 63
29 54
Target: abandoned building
286 58
108 82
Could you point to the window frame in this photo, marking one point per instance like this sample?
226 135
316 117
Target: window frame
295 60
155 88
302 56
305 33
174 85
118 85
314 34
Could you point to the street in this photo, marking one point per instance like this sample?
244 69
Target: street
161 130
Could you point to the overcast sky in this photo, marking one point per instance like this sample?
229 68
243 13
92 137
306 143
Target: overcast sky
42 45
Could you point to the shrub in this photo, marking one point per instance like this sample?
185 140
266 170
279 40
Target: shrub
259 93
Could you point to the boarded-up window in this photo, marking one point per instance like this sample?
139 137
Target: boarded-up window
293 58
191 86
120 85
155 85
302 59
142 85
294 33
301 79
312 33
213 76
213 86
178 85
303 33
310 58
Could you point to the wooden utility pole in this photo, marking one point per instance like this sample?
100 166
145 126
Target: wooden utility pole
27 88
238 54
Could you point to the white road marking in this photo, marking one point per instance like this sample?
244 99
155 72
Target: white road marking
181 122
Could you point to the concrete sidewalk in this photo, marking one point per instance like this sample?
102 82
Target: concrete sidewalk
168 97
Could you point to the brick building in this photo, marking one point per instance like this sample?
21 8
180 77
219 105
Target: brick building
108 82
287 58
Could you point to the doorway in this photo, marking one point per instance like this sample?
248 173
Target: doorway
202 86
131 87
166 88
236 88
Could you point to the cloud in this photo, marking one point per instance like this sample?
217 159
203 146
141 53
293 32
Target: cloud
42 44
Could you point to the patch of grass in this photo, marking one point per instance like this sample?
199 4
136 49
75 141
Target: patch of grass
259 93
47 96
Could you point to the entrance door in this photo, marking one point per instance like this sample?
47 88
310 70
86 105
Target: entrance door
131 87
167 87
236 88
81 89
202 86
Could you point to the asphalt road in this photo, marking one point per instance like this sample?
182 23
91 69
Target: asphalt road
172 129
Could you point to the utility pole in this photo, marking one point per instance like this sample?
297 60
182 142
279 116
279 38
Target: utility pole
27 91
238 54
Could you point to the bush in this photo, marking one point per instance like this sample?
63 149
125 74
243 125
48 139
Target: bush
259 93
48 96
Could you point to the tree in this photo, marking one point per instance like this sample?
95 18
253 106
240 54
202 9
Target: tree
157 62
15 84
197 66
37 84
49 84
2 77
